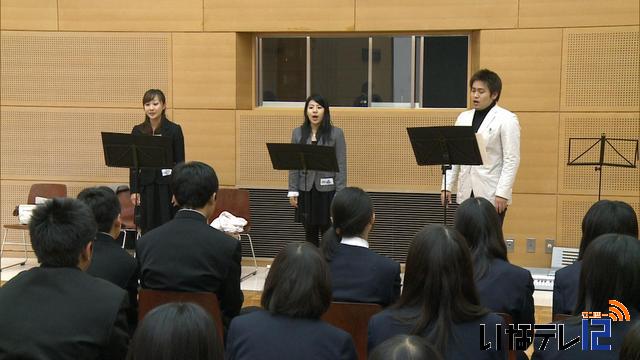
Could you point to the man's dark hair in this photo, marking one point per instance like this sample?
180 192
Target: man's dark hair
490 78
193 183
604 217
104 204
298 284
60 229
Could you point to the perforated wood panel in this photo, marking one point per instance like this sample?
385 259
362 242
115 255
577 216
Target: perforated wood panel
379 154
29 15
61 144
83 69
571 211
601 69
583 179
573 13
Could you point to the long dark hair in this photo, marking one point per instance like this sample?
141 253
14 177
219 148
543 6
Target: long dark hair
149 95
607 216
478 221
176 331
324 131
351 212
610 270
439 279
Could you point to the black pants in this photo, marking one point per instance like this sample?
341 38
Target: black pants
313 233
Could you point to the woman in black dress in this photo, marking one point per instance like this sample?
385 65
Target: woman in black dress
150 187
311 193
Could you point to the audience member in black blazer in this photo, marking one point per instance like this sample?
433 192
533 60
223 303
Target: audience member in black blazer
110 261
296 293
357 273
190 329
186 254
57 311
150 187
502 287
605 216
631 344
610 272
439 300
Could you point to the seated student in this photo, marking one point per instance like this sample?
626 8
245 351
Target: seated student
357 273
176 331
631 345
405 347
605 216
296 293
56 310
110 261
439 300
502 287
611 264
186 254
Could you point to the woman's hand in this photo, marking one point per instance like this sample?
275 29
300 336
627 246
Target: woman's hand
135 199
293 200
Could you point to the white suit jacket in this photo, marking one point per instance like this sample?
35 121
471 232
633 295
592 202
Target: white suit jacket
501 132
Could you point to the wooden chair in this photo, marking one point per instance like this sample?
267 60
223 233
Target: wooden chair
354 319
149 299
236 202
127 213
37 190
508 319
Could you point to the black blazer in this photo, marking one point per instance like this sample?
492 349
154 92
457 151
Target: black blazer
262 335
114 264
186 254
565 288
573 329
149 176
359 274
62 313
463 343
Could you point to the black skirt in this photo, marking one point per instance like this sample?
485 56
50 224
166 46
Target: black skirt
155 205
314 207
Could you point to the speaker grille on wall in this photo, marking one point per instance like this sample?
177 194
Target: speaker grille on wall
399 216
600 70
80 69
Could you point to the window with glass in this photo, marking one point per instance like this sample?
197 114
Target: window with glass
406 71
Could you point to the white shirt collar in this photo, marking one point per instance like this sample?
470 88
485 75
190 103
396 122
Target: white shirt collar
355 241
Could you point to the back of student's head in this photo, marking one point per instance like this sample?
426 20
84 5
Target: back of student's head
630 349
478 221
298 284
439 279
610 271
176 331
405 347
351 212
104 205
60 229
193 183
607 216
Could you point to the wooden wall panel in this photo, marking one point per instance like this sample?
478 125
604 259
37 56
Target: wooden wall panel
283 15
28 15
204 70
570 13
416 15
124 15
210 137
528 61
531 216
83 69
538 172
245 71
583 180
601 69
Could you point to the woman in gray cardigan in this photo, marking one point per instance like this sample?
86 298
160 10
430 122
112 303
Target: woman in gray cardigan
311 193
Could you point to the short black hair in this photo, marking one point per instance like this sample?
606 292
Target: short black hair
630 349
60 229
405 347
193 183
104 205
604 217
298 284
493 81
176 331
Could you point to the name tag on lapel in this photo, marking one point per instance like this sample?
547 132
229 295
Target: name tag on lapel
326 181
166 172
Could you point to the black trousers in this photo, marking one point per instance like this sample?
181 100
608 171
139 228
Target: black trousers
313 233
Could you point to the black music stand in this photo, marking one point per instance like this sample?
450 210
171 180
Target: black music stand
303 157
602 143
137 152
445 146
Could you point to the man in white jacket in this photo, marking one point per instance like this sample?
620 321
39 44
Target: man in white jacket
501 132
